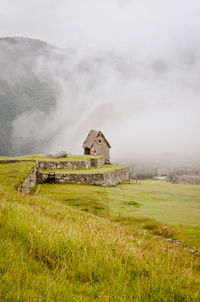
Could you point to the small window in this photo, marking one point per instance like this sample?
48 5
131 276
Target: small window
100 141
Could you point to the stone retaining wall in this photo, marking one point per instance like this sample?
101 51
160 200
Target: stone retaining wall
29 182
110 178
84 164
116 176
97 162
107 179
88 179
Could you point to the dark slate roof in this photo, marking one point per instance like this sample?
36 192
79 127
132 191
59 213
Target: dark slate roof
91 138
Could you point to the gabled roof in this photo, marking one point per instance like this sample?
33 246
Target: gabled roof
93 134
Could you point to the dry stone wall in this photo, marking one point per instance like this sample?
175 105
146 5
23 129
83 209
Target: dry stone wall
107 179
29 182
87 179
98 162
110 178
85 164
116 176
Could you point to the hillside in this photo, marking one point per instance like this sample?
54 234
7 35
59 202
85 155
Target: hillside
53 248
46 96
24 87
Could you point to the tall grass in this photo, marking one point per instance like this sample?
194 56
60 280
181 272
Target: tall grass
160 207
13 174
73 256
51 252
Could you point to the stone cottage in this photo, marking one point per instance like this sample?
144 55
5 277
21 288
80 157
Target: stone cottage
96 144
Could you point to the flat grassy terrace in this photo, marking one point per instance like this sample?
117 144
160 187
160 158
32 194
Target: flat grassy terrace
42 157
91 170
146 204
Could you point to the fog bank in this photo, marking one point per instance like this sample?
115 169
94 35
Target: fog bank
130 69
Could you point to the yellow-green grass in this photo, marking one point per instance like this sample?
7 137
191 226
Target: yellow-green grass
13 174
145 204
52 252
91 170
42 157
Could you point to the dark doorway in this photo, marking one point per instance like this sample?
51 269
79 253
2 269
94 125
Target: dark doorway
87 151
51 177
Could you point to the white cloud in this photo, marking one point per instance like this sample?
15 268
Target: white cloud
149 74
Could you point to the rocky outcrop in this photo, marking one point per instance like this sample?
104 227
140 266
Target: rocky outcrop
184 179
61 154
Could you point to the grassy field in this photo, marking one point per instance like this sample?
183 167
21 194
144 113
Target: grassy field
52 251
13 174
42 157
91 170
144 203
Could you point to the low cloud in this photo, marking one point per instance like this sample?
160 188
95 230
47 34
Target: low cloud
128 68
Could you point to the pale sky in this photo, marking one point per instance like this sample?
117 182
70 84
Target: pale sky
151 24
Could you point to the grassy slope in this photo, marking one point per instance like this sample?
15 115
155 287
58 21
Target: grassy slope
50 252
174 204
142 203
91 170
42 157
13 174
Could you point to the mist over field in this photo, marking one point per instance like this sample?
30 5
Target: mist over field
128 68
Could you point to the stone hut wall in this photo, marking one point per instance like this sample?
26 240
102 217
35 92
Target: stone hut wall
29 182
101 147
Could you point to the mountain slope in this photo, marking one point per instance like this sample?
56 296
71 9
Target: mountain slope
23 87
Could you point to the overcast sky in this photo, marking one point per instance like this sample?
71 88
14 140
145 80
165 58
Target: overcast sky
154 24
158 67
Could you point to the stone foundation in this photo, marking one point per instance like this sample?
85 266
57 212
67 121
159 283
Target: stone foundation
116 176
85 164
97 162
107 179
110 178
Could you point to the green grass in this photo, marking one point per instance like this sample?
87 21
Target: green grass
51 251
42 157
143 204
91 170
13 174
